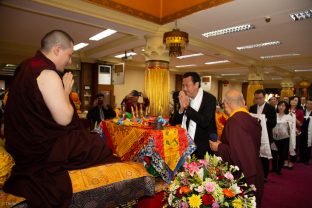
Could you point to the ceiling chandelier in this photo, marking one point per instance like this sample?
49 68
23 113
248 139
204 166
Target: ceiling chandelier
175 41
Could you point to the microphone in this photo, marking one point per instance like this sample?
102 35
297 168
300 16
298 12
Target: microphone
213 137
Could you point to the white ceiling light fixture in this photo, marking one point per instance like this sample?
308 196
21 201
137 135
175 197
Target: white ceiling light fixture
258 45
301 15
279 56
80 46
233 74
123 55
182 66
103 34
228 30
217 62
303 70
190 55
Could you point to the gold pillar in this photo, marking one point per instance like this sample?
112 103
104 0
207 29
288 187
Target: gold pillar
255 78
287 88
304 84
157 78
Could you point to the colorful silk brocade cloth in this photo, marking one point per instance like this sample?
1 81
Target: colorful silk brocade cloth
167 148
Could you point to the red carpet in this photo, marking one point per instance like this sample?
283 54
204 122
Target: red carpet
292 189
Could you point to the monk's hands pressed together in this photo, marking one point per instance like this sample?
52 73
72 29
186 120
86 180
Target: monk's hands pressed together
68 82
214 145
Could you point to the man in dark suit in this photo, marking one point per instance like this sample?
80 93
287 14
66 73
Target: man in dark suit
261 107
196 113
100 111
305 144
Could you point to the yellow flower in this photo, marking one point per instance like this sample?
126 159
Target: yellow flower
237 203
195 201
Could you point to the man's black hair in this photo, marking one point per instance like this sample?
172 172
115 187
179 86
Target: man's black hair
260 91
194 75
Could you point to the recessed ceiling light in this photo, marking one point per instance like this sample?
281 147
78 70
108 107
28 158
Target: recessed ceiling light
190 55
228 30
103 34
258 45
234 74
279 56
80 46
10 65
217 62
189 65
303 70
301 15
127 54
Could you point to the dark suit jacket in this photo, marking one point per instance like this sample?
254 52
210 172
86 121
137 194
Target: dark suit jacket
205 123
305 125
94 115
270 114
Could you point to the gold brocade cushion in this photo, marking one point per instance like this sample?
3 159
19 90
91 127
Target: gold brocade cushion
90 178
94 177
6 164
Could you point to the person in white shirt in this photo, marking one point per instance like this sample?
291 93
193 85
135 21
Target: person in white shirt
261 107
282 133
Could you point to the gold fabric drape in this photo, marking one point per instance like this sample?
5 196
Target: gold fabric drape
252 87
286 92
157 88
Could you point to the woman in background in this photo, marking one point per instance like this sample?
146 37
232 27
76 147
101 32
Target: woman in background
295 109
281 134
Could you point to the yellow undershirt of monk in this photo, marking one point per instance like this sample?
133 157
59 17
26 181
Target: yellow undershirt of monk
242 109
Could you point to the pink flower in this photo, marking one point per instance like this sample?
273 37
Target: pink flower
229 176
215 204
210 187
184 205
200 189
203 162
192 168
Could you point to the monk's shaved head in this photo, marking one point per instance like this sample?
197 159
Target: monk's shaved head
234 97
56 37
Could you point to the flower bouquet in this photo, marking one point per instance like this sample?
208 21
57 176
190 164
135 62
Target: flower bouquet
209 183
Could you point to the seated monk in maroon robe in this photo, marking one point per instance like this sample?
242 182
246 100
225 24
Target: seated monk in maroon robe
42 129
240 142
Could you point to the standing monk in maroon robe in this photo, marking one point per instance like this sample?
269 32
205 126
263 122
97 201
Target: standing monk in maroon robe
240 142
42 129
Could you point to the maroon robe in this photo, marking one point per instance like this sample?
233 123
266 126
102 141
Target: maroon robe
241 140
42 149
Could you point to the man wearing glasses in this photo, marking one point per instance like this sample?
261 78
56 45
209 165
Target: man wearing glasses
261 107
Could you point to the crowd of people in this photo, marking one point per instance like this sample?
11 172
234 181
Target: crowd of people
46 139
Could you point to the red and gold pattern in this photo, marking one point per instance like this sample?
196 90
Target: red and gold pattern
169 144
